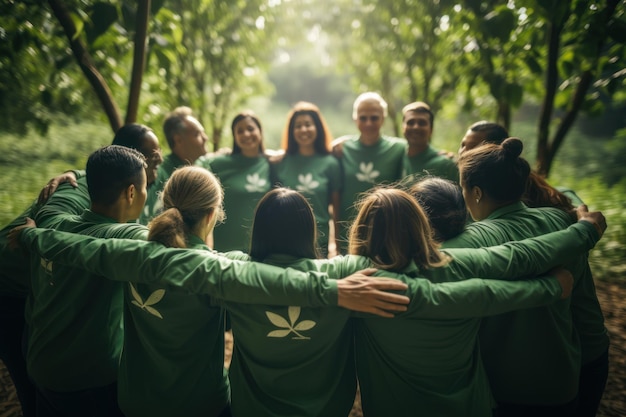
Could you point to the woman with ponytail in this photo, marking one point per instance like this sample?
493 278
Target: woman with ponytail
532 357
173 357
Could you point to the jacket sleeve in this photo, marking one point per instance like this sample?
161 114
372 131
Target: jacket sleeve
477 297
522 258
194 271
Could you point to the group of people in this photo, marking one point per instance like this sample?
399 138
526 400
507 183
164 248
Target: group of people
120 318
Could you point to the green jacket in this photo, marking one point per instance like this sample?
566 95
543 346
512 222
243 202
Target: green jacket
154 203
545 341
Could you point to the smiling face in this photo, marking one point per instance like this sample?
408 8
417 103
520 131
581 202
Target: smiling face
304 131
248 137
417 129
369 120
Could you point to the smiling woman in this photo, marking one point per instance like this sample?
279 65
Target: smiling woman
246 176
309 168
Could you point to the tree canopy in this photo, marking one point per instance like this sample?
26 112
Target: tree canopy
85 57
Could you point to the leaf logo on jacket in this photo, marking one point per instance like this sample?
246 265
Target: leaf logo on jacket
255 183
290 326
152 299
307 183
368 173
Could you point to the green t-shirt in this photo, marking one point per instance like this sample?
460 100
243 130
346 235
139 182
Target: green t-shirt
245 182
430 163
316 177
364 167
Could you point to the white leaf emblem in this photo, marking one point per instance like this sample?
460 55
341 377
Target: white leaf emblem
307 183
152 299
291 325
255 183
368 173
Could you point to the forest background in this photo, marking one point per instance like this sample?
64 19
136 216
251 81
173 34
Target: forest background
552 71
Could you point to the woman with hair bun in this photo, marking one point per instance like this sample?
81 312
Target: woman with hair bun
532 357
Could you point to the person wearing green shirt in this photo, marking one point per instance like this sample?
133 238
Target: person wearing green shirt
246 176
549 344
367 159
309 167
14 271
476 298
426 367
187 141
74 319
422 159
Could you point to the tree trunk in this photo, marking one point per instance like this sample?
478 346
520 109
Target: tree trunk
139 60
87 65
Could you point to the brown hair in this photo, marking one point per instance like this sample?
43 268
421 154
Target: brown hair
189 195
541 194
392 230
497 169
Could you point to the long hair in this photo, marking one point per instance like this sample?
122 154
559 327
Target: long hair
498 170
442 200
541 194
283 224
190 194
239 117
392 230
323 138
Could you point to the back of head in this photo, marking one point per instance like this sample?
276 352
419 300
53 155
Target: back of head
175 123
131 135
189 195
392 230
498 170
283 224
492 132
419 107
247 114
443 202
110 170
323 138
368 96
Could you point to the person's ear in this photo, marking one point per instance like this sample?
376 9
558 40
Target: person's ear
477 194
131 192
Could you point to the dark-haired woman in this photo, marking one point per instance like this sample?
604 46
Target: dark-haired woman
309 168
246 176
533 357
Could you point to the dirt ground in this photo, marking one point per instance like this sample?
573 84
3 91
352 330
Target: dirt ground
612 296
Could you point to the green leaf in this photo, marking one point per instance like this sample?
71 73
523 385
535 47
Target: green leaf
103 15
500 23
78 23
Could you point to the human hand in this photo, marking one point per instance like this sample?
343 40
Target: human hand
594 217
13 236
360 292
54 183
566 280
447 154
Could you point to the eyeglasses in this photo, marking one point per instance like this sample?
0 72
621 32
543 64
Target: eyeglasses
370 118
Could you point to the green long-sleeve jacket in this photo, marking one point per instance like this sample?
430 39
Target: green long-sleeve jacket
534 356
154 203
123 255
